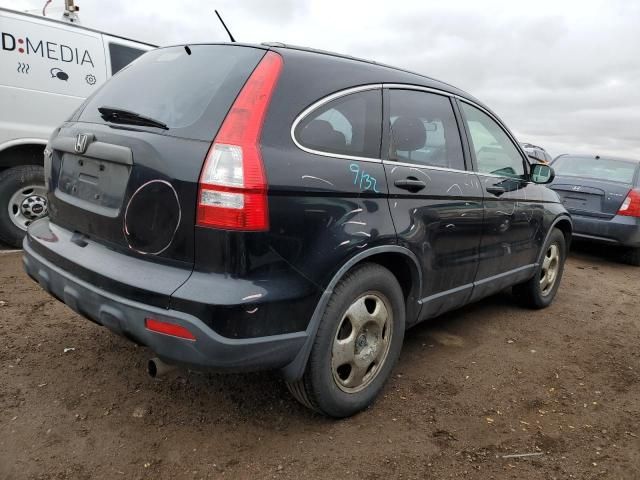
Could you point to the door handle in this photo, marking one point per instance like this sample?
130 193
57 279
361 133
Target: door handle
411 184
496 190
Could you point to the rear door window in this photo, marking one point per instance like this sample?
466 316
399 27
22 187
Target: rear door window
121 56
424 130
350 125
495 152
189 90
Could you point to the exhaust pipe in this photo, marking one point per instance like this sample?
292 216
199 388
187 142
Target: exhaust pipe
157 368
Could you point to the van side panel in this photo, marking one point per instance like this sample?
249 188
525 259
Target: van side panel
23 116
50 58
47 68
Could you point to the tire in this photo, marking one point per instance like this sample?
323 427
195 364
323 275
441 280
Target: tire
371 295
632 257
537 292
17 185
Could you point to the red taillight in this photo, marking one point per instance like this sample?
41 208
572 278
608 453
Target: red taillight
232 193
631 205
167 328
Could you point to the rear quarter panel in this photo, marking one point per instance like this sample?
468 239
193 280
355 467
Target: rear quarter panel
319 218
321 214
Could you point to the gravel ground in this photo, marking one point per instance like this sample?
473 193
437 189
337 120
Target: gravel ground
480 384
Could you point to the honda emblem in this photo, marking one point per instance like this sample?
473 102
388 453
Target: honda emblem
82 140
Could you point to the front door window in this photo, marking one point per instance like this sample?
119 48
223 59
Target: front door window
495 152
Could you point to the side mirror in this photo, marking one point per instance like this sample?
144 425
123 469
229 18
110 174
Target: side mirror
542 174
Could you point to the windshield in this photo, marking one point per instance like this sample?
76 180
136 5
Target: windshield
597 168
177 85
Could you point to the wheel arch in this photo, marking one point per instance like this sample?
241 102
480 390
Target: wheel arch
24 151
399 260
565 225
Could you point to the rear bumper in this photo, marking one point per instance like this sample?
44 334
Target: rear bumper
127 318
619 230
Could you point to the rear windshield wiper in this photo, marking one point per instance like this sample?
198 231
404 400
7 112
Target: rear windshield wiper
119 115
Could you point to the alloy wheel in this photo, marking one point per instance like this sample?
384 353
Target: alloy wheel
362 342
549 270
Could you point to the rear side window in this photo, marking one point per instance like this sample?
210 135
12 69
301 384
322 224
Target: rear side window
596 168
349 125
188 89
121 56
424 130
495 152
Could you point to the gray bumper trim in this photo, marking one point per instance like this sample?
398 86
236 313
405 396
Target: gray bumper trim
126 318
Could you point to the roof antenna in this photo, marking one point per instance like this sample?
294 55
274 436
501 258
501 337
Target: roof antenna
225 26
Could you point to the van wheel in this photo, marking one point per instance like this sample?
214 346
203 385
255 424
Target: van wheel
357 344
23 199
539 291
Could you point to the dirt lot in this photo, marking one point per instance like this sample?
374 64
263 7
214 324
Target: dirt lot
484 382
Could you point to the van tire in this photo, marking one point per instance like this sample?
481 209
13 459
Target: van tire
11 181
530 293
320 388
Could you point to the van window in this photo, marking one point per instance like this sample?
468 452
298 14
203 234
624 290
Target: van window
495 152
424 130
349 125
121 56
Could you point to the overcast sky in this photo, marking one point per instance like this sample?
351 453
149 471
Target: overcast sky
561 73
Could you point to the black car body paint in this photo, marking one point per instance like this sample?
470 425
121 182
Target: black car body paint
253 299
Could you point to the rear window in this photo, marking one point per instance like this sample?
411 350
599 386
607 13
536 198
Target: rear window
349 125
598 169
188 89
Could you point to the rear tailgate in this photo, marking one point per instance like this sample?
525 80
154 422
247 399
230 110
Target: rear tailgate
593 186
132 189
590 197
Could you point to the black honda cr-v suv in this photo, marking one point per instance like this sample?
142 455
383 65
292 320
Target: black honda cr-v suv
242 207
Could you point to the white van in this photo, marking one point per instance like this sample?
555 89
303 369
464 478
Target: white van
47 68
